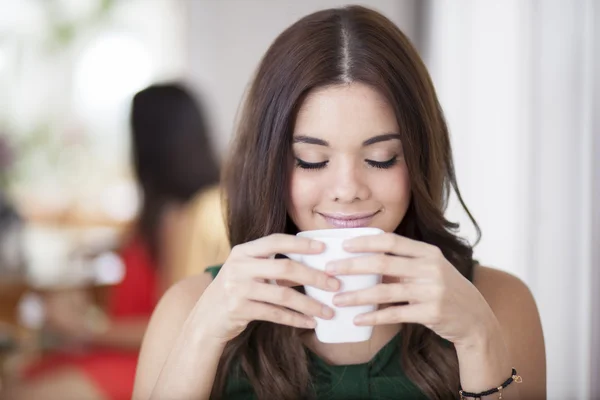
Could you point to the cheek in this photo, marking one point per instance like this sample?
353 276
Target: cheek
394 191
304 195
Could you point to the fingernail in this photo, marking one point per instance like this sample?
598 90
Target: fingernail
327 312
340 300
359 320
316 245
333 284
330 268
348 244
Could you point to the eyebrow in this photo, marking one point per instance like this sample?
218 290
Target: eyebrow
320 142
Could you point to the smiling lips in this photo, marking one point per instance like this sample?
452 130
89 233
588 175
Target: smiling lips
357 220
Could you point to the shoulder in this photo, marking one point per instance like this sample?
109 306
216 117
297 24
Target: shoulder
503 291
496 285
182 296
508 296
173 309
515 309
165 326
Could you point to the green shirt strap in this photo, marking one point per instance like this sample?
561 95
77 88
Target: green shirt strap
214 270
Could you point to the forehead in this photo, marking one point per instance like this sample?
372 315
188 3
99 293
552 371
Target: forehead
344 112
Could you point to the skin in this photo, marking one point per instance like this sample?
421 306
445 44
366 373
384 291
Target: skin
353 179
337 181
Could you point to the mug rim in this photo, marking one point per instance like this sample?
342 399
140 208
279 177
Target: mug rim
341 233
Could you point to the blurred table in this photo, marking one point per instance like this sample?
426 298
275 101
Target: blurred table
11 291
12 335
19 345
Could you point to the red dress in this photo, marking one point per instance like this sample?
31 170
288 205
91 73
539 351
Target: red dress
113 370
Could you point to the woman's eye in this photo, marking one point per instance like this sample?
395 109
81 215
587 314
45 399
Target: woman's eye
307 165
383 164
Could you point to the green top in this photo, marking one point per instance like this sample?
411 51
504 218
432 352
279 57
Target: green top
380 378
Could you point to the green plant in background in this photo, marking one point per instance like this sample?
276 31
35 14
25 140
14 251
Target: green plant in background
64 32
22 156
50 144
7 157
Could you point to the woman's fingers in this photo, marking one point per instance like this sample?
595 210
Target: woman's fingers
390 243
289 298
382 264
386 293
258 311
279 244
409 313
295 273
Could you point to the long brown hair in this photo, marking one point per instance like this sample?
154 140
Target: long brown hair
331 47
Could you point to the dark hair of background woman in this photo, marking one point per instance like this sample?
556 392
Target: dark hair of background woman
172 156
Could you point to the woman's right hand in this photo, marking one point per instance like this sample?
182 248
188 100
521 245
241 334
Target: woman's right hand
241 292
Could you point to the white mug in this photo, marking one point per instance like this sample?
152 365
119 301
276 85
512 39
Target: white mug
341 328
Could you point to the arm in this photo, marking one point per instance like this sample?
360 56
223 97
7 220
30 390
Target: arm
513 339
187 333
493 323
172 371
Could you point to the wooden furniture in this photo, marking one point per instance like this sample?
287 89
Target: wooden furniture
19 345
11 292
11 334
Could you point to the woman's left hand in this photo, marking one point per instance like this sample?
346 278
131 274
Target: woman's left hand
432 291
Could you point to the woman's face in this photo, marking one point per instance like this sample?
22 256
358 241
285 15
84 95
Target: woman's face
349 168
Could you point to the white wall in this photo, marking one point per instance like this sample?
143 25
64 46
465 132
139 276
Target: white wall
595 301
228 38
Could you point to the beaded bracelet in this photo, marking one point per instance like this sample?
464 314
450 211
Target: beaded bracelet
513 378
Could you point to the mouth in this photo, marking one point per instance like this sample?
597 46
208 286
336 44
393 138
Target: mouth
356 220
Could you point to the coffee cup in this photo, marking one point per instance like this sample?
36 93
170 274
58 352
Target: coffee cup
341 328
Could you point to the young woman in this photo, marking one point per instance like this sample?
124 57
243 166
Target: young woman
342 128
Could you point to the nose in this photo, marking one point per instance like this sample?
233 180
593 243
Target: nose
348 183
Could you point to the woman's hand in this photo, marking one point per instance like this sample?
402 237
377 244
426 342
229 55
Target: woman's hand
432 292
242 293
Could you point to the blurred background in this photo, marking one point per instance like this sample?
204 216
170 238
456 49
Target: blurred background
519 82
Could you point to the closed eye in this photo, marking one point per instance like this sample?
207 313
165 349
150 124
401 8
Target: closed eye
320 165
383 164
313 166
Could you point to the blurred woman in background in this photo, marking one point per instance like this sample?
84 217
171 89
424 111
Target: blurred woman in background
178 176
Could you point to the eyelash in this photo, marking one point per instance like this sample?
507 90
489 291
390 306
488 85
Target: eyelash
310 166
383 164
375 164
